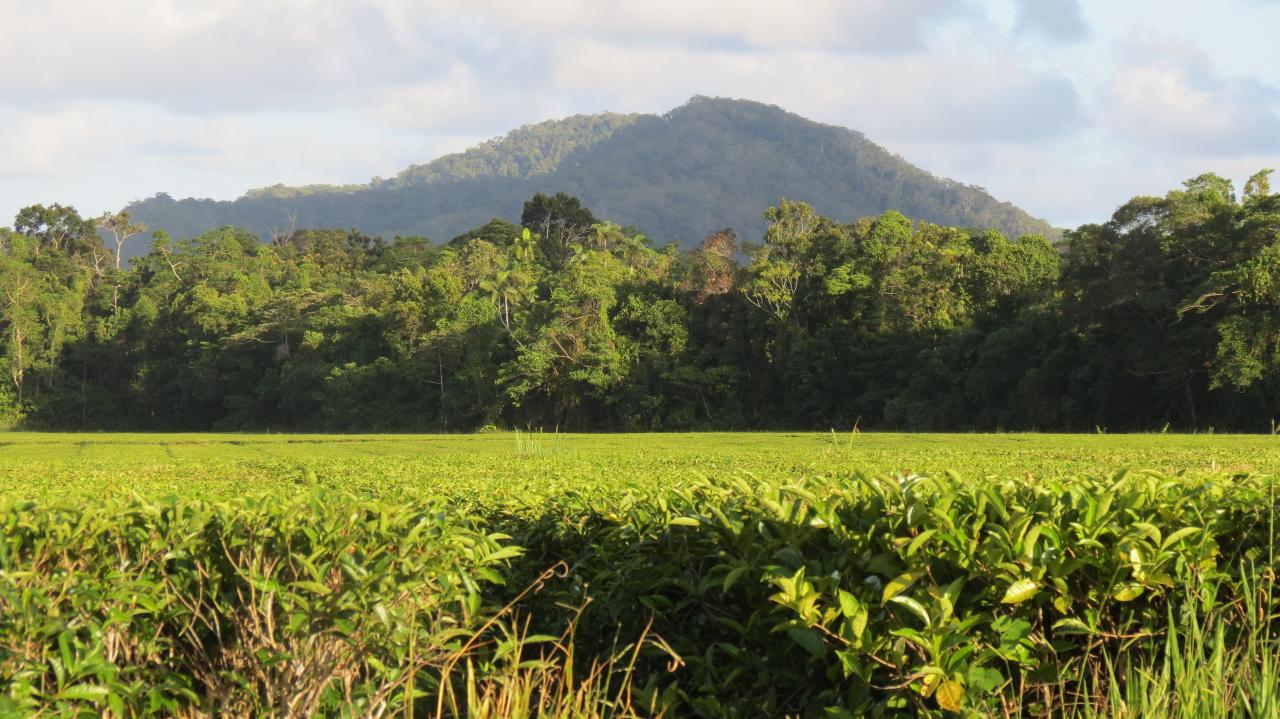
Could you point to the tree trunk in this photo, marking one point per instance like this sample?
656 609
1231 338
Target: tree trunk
1191 405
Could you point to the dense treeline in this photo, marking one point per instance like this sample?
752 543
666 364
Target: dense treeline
1164 316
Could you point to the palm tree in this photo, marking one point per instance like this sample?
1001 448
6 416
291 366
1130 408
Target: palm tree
505 291
524 248
631 250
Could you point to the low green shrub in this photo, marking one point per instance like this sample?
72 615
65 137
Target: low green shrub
327 603
909 595
823 597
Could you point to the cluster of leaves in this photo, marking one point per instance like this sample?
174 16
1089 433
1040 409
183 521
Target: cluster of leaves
1162 317
908 595
328 603
867 595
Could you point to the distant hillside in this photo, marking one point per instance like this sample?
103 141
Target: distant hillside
709 164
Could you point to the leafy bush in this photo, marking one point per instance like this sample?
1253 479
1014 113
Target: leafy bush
907 595
325 603
825 596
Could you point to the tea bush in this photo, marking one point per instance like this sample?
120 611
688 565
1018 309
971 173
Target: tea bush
326 603
906 595
544 579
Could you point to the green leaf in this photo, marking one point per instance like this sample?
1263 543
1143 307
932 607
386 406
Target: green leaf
685 522
1020 591
731 578
919 541
85 692
507 552
984 679
808 639
1148 530
849 604
1071 625
1127 592
858 625
1178 536
899 584
915 607
313 587
1029 541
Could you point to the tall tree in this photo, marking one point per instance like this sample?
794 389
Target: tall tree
55 227
121 227
560 222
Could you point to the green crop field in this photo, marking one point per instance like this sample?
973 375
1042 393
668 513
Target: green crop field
734 574
216 466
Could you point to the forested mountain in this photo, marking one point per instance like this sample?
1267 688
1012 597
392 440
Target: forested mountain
709 164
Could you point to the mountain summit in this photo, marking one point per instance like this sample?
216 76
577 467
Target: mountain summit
708 164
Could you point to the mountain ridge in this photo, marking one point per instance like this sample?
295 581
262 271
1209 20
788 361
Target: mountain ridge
707 164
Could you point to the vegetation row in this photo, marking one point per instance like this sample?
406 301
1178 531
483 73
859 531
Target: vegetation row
1162 317
888 596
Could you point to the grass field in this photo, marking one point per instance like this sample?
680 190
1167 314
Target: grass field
737 575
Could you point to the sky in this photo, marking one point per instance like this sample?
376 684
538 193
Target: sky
1064 107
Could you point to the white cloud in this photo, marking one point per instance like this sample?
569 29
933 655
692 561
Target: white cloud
464 101
42 145
890 98
845 25
1080 179
207 56
1058 20
1167 95
105 155
244 55
104 102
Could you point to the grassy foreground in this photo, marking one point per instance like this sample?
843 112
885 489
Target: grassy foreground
637 575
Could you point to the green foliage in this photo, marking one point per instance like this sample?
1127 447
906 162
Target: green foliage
561 225
526 152
325 603
56 227
765 579
1163 316
907 595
